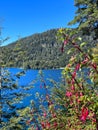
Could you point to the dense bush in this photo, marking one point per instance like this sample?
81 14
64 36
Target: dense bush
72 105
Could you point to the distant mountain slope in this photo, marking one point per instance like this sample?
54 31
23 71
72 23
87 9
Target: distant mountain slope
37 51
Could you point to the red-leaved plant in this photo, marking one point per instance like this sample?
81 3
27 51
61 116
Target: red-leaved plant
72 105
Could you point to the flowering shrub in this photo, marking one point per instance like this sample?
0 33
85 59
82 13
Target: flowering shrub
73 105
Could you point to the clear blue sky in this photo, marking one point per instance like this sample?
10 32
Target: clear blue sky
26 17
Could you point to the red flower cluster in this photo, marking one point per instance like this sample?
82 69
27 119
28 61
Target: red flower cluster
45 125
65 42
68 94
84 113
77 67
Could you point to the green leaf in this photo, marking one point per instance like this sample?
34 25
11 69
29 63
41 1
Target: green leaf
83 44
70 50
79 38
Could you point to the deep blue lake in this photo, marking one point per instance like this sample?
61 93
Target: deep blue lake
31 75
34 81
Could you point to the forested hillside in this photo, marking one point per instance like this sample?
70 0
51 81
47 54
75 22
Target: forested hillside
40 50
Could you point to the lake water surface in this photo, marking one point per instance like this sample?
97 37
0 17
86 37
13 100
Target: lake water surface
33 80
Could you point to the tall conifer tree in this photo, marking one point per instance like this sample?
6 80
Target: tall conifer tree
86 16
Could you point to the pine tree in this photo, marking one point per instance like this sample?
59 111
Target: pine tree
86 16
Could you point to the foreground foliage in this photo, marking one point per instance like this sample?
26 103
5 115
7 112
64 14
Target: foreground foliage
72 105
11 100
